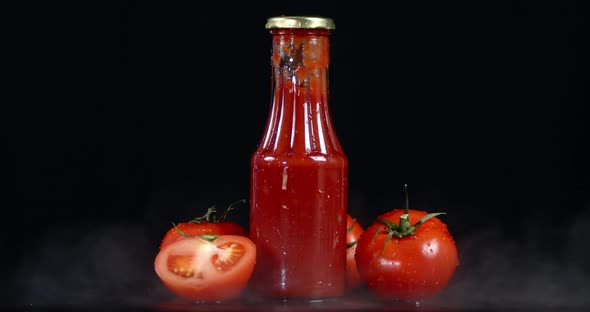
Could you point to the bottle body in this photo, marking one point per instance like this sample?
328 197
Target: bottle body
299 177
297 227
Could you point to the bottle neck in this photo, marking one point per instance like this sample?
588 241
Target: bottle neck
299 121
300 56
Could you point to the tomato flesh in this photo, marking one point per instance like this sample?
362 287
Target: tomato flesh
199 270
226 260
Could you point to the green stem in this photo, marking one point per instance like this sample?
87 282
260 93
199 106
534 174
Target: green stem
230 208
407 205
404 228
207 237
181 232
209 216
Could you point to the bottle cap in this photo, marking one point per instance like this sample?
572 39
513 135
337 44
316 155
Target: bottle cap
300 22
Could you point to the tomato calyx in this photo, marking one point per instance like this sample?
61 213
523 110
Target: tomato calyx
403 228
211 214
350 244
207 237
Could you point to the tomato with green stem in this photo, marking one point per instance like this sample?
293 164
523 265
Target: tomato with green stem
208 224
406 255
353 232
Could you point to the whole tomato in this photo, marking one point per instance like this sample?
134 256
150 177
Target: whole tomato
353 232
410 260
208 224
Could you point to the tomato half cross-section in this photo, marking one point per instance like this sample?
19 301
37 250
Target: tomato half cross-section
207 269
406 255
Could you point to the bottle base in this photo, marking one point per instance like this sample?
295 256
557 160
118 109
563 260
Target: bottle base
298 301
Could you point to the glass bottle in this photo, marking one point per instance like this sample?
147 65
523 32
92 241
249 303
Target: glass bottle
299 172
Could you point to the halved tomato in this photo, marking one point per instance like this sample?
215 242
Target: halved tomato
208 268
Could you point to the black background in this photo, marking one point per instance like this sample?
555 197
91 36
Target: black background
134 114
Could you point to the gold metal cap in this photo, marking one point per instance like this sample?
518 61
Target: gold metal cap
300 22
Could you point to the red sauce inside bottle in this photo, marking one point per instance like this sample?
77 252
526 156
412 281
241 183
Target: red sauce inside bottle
299 177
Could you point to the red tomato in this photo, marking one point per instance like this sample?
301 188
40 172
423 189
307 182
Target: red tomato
197 269
353 232
407 261
207 224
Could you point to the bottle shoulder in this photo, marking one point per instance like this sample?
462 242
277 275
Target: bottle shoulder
270 157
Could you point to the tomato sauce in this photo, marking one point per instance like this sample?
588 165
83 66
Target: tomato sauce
299 177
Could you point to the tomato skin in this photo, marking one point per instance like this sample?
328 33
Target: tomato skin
209 279
199 229
354 231
414 267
